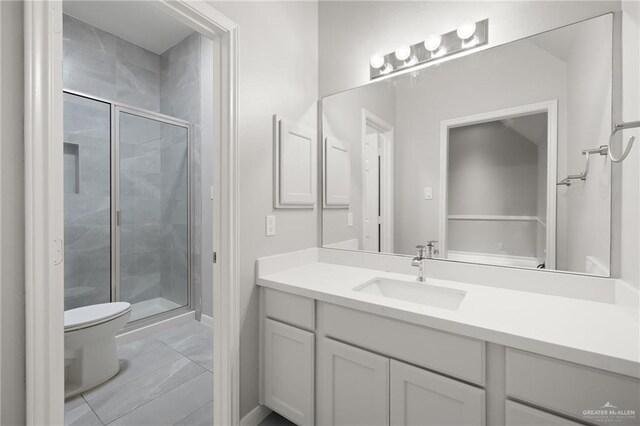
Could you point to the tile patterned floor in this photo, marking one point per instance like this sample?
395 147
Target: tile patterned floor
165 379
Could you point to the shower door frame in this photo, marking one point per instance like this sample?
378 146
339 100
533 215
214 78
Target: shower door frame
116 109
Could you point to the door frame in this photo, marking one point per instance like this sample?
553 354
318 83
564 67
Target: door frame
44 205
370 120
551 108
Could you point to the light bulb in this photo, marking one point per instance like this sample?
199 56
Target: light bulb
466 30
432 42
403 52
376 61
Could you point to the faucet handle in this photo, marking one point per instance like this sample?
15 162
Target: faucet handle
421 250
431 249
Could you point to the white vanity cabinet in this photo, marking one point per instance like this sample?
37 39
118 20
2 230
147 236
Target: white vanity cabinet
572 390
419 397
358 387
288 356
327 364
353 386
289 371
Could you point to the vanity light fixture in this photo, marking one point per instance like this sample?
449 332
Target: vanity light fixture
435 46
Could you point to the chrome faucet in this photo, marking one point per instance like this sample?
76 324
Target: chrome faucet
432 251
418 261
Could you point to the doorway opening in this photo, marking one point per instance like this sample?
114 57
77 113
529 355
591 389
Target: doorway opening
511 151
377 184
45 54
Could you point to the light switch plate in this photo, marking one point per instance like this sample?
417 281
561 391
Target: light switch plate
428 193
270 226
350 219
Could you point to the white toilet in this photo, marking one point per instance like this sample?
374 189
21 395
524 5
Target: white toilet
90 353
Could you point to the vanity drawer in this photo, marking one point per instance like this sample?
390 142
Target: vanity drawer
521 415
456 356
289 308
569 388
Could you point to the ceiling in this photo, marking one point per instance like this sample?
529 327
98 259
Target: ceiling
532 127
139 22
558 42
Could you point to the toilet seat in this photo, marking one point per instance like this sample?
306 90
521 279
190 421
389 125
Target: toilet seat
89 316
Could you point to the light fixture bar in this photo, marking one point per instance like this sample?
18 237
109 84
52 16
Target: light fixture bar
450 43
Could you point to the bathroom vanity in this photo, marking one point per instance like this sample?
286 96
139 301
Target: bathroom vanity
476 159
346 341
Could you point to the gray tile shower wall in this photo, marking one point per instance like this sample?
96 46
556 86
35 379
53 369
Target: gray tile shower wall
103 65
153 167
180 97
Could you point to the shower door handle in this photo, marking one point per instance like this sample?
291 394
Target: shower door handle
117 217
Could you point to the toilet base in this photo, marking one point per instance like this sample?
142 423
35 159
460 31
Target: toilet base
91 355
90 365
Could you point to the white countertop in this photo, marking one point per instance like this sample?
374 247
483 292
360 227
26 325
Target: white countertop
600 335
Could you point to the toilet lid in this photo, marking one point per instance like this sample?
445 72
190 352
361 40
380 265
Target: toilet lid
94 314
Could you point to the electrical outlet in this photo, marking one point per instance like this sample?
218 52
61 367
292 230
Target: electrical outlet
350 219
270 226
428 193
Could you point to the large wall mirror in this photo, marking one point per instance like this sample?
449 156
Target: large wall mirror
493 157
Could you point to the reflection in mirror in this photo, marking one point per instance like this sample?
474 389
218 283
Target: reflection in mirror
482 155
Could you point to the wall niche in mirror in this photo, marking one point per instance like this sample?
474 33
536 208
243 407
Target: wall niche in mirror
473 153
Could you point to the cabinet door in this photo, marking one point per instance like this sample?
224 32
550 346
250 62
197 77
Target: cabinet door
354 387
419 397
521 415
288 376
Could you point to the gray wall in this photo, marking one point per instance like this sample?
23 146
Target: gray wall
278 74
12 301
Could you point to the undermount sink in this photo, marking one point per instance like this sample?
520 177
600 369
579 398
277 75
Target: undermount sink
414 292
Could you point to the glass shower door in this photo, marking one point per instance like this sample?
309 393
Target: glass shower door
87 201
152 212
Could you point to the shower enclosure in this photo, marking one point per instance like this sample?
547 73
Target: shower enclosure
127 207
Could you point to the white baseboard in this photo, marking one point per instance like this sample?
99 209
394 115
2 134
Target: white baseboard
147 330
255 416
206 320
